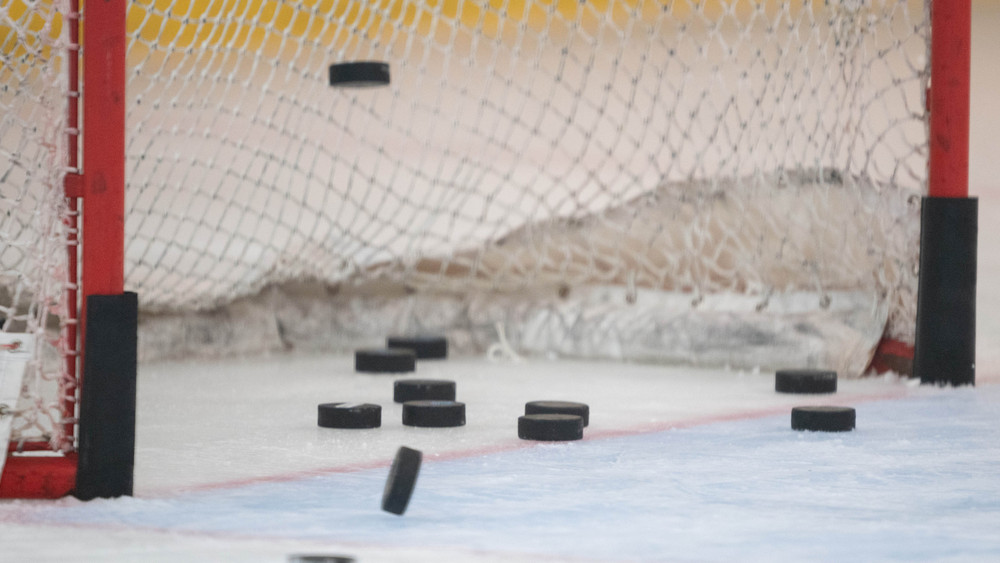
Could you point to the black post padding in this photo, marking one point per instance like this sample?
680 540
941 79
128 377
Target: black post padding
945 347
107 398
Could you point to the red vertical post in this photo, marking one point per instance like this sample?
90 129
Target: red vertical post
951 31
104 148
106 431
944 350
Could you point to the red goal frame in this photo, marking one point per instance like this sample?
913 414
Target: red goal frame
99 186
98 190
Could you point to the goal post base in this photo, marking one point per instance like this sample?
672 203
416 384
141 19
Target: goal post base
894 356
945 346
107 402
38 477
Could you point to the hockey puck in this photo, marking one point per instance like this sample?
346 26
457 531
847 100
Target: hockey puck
433 414
402 479
360 74
425 347
550 427
423 390
805 381
559 407
385 361
823 419
350 415
320 559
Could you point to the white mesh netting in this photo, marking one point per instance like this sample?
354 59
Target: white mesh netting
524 150
33 231
633 179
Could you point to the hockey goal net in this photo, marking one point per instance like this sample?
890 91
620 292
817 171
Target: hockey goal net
729 182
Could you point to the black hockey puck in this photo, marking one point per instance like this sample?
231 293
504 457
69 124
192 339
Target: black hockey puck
550 427
425 347
823 419
805 381
359 74
350 415
402 479
320 559
433 414
385 361
423 390
559 407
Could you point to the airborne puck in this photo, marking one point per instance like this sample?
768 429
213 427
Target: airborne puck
425 347
402 479
385 361
559 407
359 74
550 427
803 381
423 390
823 419
349 415
433 414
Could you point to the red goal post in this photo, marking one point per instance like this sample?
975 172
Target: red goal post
100 186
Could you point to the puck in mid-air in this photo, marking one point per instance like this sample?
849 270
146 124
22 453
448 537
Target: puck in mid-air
559 407
423 390
402 479
805 381
350 415
823 419
433 414
425 347
359 74
385 361
320 559
550 427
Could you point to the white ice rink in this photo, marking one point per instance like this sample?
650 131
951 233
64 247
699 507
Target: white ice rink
677 464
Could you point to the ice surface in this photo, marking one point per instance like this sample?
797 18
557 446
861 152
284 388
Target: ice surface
211 424
915 481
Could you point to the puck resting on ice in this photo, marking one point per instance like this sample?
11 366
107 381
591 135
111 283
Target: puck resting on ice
550 427
423 390
559 407
823 419
350 415
320 559
402 479
359 74
805 381
433 414
385 361
425 347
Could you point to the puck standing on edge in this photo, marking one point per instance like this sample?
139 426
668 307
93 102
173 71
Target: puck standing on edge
823 419
559 407
433 414
423 390
550 427
359 74
425 347
402 479
805 381
385 361
349 415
